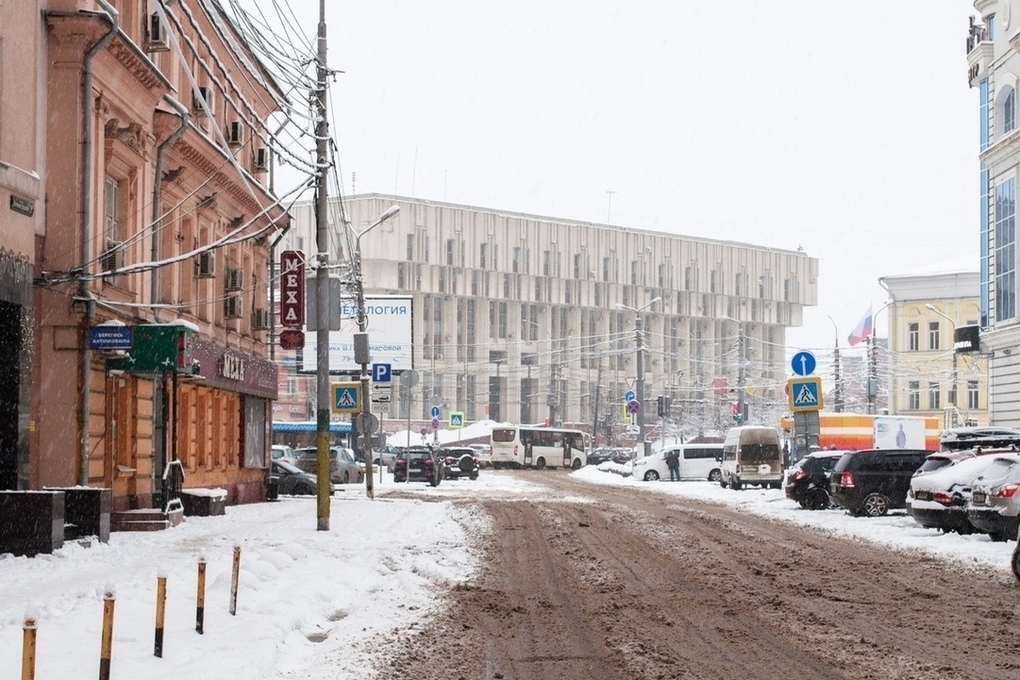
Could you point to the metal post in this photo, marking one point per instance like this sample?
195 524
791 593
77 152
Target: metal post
872 373
741 347
639 383
157 649
322 284
200 598
106 644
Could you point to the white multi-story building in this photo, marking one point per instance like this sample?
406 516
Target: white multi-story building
525 318
993 58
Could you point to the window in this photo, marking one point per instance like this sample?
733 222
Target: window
483 251
410 247
605 269
914 395
451 250
546 262
502 320
1005 250
972 394
933 335
577 266
1009 111
515 261
934 396
633 272
113 212
913 336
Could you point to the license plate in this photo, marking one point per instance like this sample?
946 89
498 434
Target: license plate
978 498
923 495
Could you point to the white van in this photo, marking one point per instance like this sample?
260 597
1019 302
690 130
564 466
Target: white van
752 455
697 461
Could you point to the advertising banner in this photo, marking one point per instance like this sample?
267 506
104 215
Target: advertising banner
389 335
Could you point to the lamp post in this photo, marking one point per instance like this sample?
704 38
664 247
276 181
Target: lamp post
361 349
741 377
873 358
639 382
838 406
954 401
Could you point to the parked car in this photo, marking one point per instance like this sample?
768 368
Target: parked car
343 468
697 461
484 454
600 455
418 464
986 436
941 459
292 480
807 482
458 461
385 455
282 452
938 499
994 503
1015 562
751 455
874 481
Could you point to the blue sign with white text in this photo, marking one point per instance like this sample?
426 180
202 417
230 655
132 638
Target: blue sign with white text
110 337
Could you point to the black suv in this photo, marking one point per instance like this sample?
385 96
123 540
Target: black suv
459 460
807 482
418 464
874 481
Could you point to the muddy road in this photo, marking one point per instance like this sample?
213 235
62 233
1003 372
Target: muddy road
601 582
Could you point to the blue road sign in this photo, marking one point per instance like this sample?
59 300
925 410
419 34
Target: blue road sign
110 337
346 397
805 394
435 423
803 363
435 411
382 373
629 395
457 419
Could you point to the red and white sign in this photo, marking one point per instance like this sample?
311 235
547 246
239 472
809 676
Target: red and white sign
292 289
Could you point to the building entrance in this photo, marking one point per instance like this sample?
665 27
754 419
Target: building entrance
10 378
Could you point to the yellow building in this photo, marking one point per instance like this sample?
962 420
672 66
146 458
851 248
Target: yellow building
929 374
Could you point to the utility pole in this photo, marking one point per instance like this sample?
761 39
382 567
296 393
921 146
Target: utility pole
872 373
595 418
322 301
741 347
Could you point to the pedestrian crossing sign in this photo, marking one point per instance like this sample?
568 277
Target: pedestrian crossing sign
345 397
804 393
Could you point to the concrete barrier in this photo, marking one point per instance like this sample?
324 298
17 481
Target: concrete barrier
31 522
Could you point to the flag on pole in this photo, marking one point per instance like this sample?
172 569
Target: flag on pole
863 329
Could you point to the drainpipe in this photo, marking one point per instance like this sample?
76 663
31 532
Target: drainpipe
157 191
88 106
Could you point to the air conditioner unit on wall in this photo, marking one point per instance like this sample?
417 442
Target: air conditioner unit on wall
235 133
235 279
260 319
232 307
156 39
205 265
113 257
204 100
261 158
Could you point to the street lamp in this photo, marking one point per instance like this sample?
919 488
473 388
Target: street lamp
639 383
361 349
932 308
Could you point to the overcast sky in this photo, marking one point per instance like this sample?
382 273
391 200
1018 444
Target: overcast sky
847 128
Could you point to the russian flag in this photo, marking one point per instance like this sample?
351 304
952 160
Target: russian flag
863 329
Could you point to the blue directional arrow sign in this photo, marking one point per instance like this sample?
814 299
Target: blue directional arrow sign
435 411
346 397
803 363
382 373
805 393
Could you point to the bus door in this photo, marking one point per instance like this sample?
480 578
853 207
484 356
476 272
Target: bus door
526 442
568 444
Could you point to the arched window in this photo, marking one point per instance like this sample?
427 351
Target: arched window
1009 111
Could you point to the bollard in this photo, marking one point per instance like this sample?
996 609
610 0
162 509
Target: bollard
233 580
107 645
160 613
200 599
28 649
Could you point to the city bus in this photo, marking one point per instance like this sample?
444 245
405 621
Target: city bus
539 447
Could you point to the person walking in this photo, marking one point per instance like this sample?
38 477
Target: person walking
673 463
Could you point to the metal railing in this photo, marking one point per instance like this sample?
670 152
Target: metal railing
173 481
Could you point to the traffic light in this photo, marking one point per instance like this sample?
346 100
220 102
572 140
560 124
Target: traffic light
661 406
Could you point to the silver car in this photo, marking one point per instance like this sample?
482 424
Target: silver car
994 502
343 468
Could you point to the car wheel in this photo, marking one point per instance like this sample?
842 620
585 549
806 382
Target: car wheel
875 505
775 485
466 464
737 485
998 536
722 482
816 499
576 465
435 479
473 475
1015 563
714 476
651 476
540 464
347 478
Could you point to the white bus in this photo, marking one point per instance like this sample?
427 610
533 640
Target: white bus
539 447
